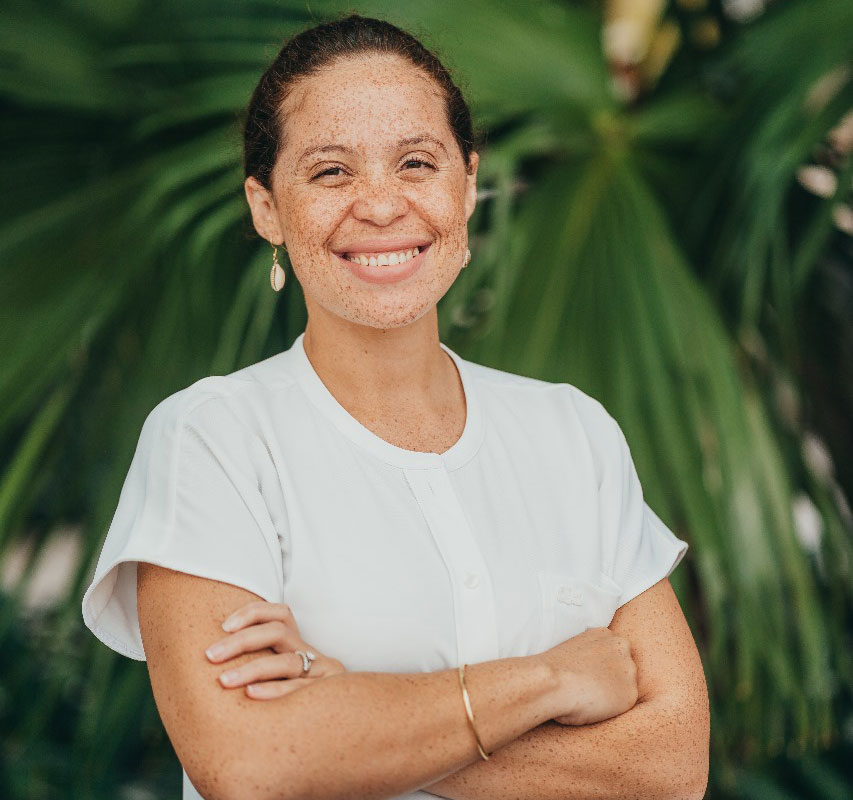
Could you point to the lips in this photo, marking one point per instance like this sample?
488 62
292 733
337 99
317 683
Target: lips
346 256
386 274
373 247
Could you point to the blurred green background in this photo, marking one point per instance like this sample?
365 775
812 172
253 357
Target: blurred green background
664 220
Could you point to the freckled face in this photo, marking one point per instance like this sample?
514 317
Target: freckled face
373 186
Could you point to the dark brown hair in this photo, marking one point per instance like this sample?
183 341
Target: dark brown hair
311 50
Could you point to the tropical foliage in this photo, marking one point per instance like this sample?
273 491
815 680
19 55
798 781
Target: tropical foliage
667 228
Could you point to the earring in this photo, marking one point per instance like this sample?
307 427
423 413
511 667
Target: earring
467 260
277 275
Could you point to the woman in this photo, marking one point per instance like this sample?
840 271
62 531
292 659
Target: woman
374 512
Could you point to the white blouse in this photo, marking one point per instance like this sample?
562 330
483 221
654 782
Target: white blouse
530 529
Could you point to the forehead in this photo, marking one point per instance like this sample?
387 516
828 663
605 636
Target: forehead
362 97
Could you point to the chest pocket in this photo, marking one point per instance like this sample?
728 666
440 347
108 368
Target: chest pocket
572 604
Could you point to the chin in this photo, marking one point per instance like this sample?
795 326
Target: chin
395 309
397 319
386 318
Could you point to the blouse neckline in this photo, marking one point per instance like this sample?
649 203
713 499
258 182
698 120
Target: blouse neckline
458 454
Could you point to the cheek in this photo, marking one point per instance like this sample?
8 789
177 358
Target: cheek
445 197
442 208
311 209
311 217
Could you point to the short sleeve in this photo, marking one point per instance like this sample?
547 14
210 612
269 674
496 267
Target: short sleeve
640 549
189 502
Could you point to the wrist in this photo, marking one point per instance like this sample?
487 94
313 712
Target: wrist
550 685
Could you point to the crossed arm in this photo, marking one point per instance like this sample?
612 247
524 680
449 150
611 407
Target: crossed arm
658 749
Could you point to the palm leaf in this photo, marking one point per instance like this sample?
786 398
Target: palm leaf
591 243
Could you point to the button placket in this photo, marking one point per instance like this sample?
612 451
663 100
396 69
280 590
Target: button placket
474 610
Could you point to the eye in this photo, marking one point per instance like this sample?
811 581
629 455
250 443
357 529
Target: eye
327 171
418 161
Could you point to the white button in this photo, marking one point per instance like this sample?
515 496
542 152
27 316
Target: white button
472 580
570 595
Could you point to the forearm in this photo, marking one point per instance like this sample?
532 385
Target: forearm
372 734
639 754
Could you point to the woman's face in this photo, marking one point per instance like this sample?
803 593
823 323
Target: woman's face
389 176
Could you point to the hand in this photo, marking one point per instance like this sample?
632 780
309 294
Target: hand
259 626
600 676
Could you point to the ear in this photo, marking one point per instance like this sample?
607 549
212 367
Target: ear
264 213
471 185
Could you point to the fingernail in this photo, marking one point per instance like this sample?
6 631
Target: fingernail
214 651
228 677
230 624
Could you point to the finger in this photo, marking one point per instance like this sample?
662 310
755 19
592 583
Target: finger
259 611
275 635
272 689
282 665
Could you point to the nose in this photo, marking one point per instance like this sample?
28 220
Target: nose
380 202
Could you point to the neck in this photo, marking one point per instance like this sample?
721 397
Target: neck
393 368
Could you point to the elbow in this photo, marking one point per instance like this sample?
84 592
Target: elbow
692 785
699 757
680 770
700 770
236 760
684 778
702 787
669 785
697 792
682 774
237 780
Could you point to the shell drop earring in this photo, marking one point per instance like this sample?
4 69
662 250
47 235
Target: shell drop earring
467 260
277 275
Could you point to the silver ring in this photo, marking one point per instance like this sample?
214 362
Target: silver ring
307 659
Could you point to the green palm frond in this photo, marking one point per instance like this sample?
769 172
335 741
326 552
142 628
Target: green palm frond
610 246
775 125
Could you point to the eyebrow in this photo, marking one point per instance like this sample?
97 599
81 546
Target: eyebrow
410 140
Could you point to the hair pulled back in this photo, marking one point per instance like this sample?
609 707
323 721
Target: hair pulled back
307 53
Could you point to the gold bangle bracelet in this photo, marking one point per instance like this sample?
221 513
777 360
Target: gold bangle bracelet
469 712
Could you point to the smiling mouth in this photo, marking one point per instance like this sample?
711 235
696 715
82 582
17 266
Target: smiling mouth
386 259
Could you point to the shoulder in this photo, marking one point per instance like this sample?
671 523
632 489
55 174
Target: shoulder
220 403
551 414
566 399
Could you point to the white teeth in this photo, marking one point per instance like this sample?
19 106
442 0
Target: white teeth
385 259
